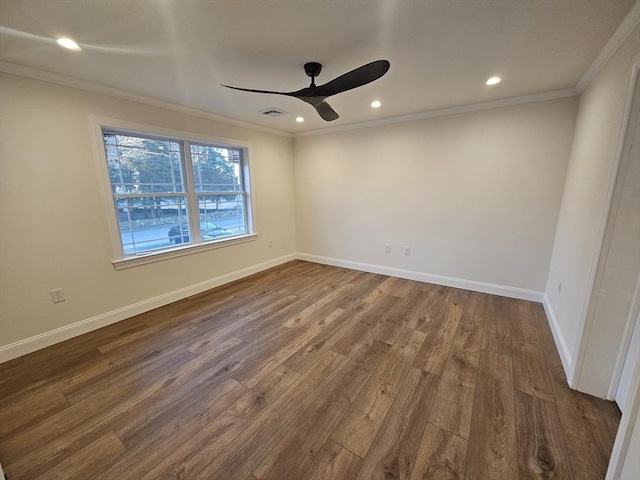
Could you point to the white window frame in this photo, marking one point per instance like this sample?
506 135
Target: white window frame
119 259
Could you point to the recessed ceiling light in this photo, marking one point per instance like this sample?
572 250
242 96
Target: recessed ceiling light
299 119
494 80
375 104
68 43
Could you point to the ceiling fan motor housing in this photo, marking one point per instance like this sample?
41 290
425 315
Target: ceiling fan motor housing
312 69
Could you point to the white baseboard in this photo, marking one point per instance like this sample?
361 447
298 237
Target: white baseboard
46 339
61 334
561 344
482 287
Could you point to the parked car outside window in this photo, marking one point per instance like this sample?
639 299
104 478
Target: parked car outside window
180 234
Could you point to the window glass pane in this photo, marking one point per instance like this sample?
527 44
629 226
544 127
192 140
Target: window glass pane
216 169
143 165
151 223
224 211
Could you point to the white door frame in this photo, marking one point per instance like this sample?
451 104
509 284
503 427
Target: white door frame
632 319
632 402
627 423
630 116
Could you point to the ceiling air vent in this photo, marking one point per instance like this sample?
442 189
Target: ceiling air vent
272 112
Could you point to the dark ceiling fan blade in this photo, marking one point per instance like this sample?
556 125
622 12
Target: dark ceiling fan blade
326 112
258 91
322 107
353 79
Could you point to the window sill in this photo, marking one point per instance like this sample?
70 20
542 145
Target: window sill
153 257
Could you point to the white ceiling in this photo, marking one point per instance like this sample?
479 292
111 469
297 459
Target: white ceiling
441 51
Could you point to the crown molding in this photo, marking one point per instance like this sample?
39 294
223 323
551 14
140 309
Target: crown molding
619 36
42 75
443 112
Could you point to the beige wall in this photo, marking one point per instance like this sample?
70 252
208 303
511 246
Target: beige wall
52 219
476 195
575 252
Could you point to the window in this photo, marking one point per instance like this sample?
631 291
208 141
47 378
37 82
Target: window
171 193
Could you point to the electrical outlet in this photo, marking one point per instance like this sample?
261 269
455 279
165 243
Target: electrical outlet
560 286
387 248
407 250
57 295
270 243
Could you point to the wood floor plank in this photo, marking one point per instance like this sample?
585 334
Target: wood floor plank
229 407
147 370
199 373
26 410
90 459
292 341
236 426
588 423
437 345
11 364
492 441
225 306
360 425
298 448
83 344
80 420
256 330
54 434
442 455
333 462
395 449
365 285
322 305
324 385
238 321
389 328
325 280
453 405
431 303
497 330
315 348
163 339
401 287
182 412
383 290
589 433
162 438
28 376
245 419
251 447
530 371
373 314
542 451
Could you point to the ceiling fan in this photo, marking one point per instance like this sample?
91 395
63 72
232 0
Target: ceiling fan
315 95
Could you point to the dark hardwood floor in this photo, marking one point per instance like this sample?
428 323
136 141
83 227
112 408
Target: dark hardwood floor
307 371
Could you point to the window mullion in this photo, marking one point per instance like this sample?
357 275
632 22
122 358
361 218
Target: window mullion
244 182
204 191
192 196
146 195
